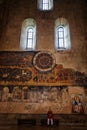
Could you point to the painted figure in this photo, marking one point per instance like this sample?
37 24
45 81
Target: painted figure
77 106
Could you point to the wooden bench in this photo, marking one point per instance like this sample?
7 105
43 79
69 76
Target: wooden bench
44 122
29 122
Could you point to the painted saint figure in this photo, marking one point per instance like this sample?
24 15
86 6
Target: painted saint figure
77 106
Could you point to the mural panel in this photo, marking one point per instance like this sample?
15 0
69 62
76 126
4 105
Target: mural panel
30 82
34 99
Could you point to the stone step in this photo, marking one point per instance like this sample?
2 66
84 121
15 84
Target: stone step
8 122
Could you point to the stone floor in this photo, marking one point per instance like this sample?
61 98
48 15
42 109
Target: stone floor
8 127
66 122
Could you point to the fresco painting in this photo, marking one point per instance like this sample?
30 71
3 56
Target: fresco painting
77 103
56 97
30 82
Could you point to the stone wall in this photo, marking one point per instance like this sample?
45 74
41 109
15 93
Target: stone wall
68 71
15 12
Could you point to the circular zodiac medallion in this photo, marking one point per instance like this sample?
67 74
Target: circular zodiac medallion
44 61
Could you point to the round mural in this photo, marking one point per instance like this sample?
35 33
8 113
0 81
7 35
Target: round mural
44 61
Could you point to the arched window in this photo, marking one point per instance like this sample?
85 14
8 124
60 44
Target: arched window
60 37
28 35
45 5
29 43
62 34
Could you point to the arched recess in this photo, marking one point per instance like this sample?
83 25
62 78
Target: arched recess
28 35
62 34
